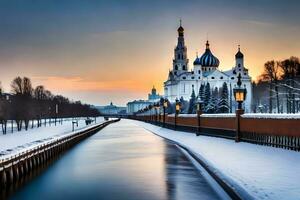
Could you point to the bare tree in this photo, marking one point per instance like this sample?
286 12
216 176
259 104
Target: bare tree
290 68
22 88
272 74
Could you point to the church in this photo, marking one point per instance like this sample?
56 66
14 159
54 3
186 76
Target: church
182 80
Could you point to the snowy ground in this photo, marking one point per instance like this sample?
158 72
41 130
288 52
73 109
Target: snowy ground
264 172
17 141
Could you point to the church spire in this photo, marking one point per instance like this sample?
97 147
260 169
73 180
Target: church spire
180 29
180 62
207 44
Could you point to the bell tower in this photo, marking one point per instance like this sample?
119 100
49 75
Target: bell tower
180 61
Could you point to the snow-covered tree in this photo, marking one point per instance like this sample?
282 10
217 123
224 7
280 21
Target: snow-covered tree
192 102
207 97
201 92
212 103
223 106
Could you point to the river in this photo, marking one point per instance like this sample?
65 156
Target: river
122 161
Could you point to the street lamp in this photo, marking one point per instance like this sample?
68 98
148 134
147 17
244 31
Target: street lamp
240 96
56 112
165 105
177 108
150 112
156 111
239 93
199 104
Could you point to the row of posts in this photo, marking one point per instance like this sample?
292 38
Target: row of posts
239 95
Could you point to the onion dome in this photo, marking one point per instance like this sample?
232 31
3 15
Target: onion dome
197 60
180 30
239 54
208 59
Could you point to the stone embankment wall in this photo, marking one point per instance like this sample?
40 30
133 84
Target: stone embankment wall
13 169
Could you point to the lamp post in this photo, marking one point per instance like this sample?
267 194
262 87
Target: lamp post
199 104
177 108
165 105
56 113
156 112
240 96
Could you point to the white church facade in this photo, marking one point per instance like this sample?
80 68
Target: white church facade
182 80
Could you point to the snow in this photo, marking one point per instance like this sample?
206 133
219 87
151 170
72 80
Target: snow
264 172
16 142
271 116
186 115
223 115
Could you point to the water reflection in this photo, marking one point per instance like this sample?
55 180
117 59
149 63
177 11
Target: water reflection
183 180
123 161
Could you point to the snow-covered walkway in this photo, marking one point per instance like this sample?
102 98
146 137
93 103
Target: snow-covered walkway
12 142
264 172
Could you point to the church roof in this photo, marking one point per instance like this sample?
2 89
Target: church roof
239 54
208 59
180 29
197 60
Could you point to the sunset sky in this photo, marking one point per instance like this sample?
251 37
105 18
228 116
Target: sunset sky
101 51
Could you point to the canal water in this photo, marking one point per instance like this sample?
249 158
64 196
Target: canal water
122 161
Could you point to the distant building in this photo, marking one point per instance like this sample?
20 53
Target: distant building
137 105
111 109
153 96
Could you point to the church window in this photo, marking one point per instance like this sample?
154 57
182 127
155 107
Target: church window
234 72
183 67
239 65
232 78
192 72
199 71
240 69
184 77
221 77
199 77
175 73
178 56
176 67
193 77
245 74
212 77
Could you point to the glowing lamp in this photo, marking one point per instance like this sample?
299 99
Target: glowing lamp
239 93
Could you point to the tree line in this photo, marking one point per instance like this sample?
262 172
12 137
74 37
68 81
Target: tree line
26 103
214 100
278 87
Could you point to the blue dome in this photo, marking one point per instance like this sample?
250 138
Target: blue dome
208 59
197 61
